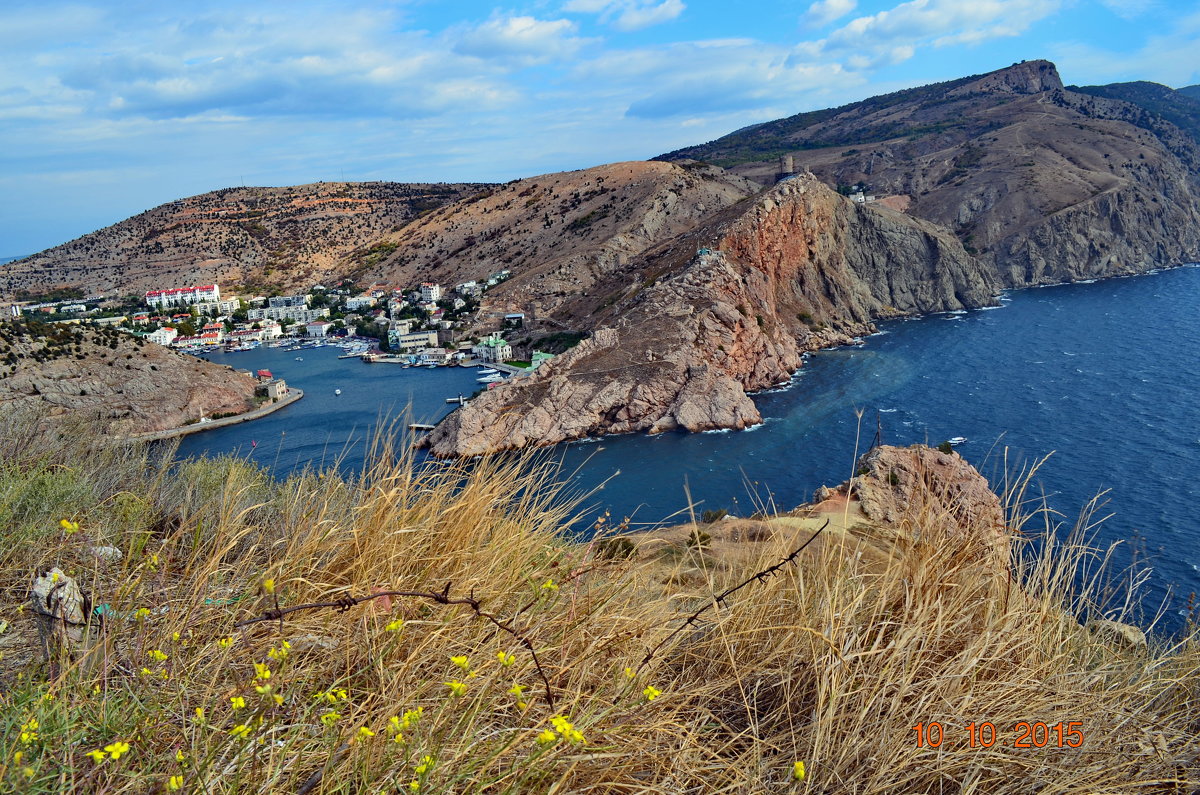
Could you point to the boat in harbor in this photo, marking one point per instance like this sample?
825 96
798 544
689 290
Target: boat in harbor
956 440
491 379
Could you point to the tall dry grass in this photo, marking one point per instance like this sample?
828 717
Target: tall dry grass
830 663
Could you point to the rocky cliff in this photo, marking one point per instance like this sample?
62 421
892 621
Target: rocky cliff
129 385
802 268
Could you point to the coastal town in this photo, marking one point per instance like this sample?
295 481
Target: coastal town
427 325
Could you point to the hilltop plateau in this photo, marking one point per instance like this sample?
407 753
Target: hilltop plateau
127 385
253 237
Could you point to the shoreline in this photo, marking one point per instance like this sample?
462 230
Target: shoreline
196 427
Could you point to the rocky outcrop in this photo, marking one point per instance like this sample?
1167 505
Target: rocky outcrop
895 485
801 269
129 385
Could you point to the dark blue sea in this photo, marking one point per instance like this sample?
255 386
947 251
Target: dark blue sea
1100 377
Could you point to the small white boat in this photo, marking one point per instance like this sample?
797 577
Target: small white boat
956 440
299 358
487 371
490 379
337 391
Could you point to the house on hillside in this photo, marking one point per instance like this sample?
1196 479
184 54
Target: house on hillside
492 349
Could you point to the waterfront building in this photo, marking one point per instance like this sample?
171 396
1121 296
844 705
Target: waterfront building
318 328
413 340
492 349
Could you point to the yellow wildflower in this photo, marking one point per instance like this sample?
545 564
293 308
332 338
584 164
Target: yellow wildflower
241 730
141 613
175 783
175 637
330 718
394 724
281 653
462 662
414 786
547 737
457 688
17 757
798 772
278 700
28 772
115 750
262 690
69 527
505 658
179 757
517 690
395 626
225 643
97 756
651 692
261 671
268 585
238 702
200 714
549 585
156 655
365 733
424 766
629 673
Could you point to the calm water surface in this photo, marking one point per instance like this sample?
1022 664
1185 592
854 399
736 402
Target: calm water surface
1102 375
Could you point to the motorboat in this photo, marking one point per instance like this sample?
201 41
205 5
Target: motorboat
956 440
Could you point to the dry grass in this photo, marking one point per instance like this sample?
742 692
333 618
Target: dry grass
831 663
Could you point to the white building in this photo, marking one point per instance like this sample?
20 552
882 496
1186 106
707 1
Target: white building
433 356
163 336
183 296
413 340
359 302
299 314
318 328
289 300
492 349
430 293
217 307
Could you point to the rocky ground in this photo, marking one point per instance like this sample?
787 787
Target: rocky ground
61 372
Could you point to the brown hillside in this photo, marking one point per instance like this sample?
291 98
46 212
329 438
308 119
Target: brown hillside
281 237
130 386
571 240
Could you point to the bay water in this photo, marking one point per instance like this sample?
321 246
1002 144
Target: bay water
1100 377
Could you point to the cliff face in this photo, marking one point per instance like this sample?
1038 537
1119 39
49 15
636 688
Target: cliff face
133 386
801 269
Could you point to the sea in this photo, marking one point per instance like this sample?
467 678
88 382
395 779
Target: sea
1097 382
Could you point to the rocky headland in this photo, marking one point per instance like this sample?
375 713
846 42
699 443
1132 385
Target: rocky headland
126 384
801 269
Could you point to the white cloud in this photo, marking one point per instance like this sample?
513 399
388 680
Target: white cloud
1128 9
1168 58
522 39
823 12
712 78
895 34
629 15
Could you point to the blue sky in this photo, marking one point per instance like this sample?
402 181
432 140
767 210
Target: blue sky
110 108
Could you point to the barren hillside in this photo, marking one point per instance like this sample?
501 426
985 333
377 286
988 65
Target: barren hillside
285 237
571 240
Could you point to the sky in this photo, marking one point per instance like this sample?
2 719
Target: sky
111 108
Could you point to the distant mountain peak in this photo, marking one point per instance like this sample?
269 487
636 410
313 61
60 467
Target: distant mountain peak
1026 77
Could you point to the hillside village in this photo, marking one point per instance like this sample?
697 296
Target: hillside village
426 325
